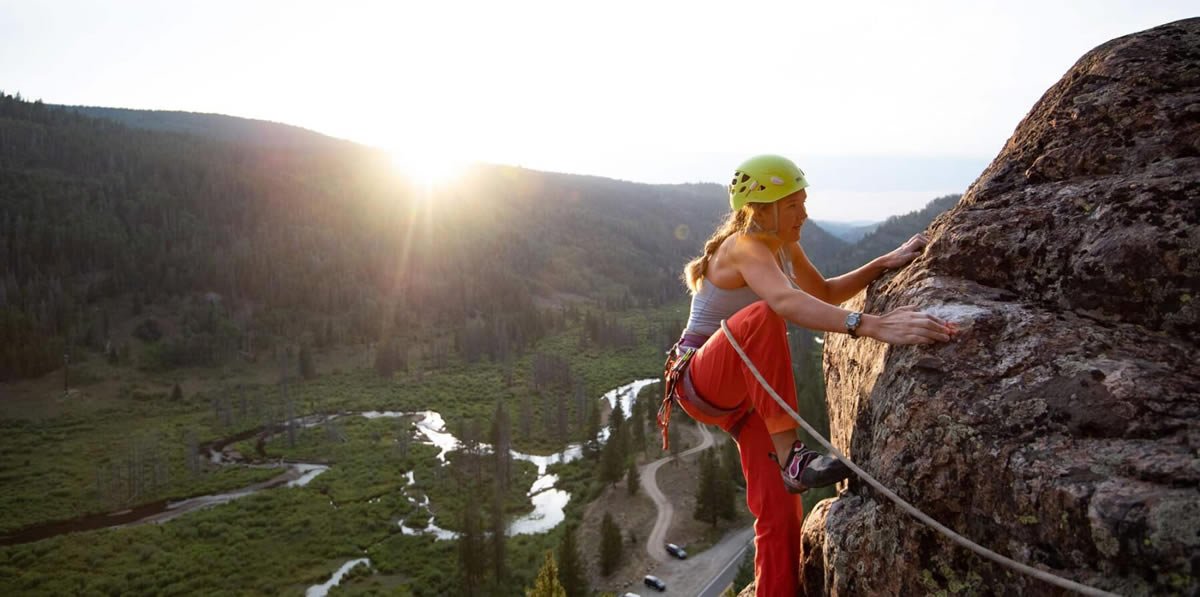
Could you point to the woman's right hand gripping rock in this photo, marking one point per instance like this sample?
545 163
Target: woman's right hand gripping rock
906 325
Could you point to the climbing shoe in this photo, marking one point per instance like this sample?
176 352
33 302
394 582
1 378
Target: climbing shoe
805 469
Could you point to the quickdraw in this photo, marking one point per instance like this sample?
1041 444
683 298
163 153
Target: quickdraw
674 369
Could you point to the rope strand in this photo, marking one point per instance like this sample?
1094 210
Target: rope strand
907 507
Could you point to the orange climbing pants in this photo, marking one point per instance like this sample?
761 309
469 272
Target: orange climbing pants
721 378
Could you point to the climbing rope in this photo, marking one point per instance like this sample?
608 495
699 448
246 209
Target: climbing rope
907 507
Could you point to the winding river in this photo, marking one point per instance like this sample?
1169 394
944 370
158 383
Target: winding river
548 501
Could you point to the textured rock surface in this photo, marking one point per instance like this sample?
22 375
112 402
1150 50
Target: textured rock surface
1063 427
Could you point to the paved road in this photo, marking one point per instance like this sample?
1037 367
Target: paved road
724 578
706 574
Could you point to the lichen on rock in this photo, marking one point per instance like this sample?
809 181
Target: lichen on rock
1062 427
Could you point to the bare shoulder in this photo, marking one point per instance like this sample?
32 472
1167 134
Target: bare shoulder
746 248
723 266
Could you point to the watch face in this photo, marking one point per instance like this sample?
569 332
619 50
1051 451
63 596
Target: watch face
852 320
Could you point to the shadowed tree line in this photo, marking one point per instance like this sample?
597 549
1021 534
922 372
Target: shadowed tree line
306 245
321 243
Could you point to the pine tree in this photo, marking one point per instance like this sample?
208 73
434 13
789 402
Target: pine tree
570 572
616 421
731 459
561 429
726 489
546 584
615 450
651 410
471 557
706 490
525 416
745 572
501 446
637 425
591 442
307 371
611 463
385 359
633 479
502 467
610 545
499 539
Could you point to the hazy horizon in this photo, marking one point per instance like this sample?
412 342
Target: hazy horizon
894 185
884 106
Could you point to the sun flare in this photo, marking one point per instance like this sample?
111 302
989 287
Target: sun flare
428 168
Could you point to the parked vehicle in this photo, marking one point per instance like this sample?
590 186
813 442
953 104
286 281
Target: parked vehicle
676 551
654 582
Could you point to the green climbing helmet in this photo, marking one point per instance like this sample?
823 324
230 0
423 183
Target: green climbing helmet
765 179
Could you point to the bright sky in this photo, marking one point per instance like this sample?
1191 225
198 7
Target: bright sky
883 104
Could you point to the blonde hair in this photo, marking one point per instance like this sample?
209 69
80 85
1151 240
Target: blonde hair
741 221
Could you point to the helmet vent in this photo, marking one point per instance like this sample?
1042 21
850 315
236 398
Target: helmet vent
745 177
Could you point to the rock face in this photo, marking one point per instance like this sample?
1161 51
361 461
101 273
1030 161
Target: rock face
1062 428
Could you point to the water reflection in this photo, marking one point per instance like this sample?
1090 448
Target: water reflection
322 589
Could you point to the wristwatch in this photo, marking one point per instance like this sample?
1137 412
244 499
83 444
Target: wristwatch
852 321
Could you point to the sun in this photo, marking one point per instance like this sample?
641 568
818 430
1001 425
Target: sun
428 167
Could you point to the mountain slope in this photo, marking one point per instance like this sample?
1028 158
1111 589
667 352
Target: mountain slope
245 131
299 236
890 234
100 219
850 232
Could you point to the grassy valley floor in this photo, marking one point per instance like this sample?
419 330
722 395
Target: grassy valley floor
119 440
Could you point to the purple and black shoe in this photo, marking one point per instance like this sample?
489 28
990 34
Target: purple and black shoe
805 469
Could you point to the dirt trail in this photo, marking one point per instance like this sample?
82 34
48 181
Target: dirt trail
654 544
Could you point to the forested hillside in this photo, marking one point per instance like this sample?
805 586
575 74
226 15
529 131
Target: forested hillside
850 232
889 235
320 242
245 131
271 234
821 247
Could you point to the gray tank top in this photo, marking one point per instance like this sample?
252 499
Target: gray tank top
712 303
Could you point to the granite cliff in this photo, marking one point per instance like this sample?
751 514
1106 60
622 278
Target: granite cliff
1062 428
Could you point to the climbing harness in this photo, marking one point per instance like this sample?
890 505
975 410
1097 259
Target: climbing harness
909 508
677 387
674 368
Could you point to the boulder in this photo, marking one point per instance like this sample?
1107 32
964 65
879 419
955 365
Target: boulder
1062 427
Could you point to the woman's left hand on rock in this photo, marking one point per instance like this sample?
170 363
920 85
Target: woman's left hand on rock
905 253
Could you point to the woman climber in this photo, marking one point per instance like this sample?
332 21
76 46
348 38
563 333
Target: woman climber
755 275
